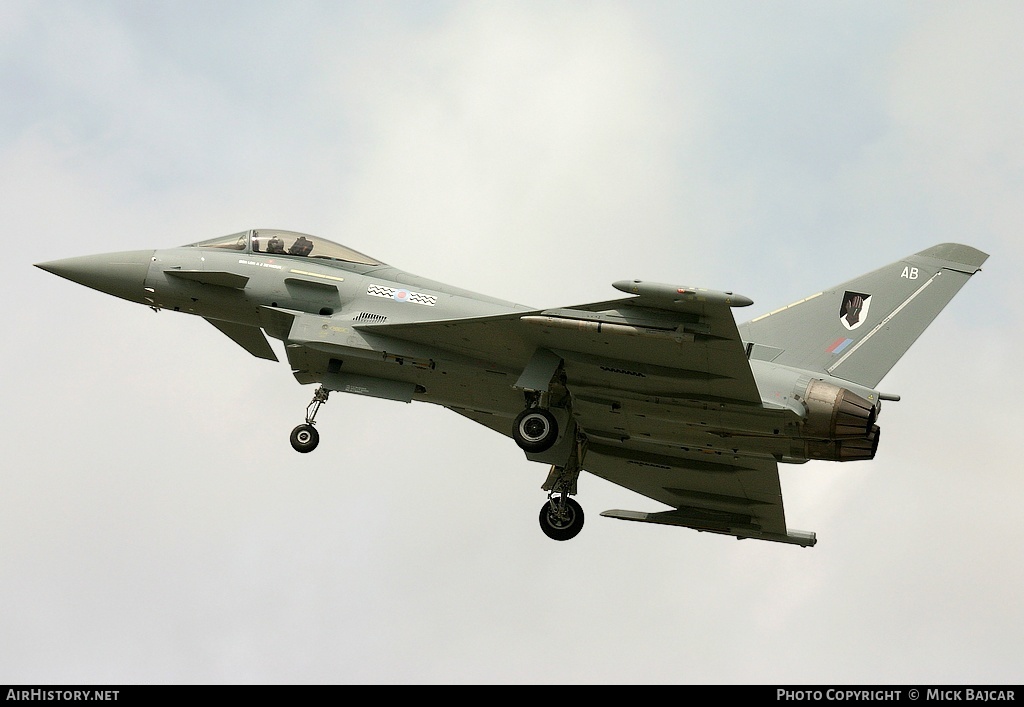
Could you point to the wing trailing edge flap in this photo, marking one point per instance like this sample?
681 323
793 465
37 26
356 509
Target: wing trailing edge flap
686 518
718 493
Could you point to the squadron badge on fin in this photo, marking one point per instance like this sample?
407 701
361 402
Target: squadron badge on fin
854 310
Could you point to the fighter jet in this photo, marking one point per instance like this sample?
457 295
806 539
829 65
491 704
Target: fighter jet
658 391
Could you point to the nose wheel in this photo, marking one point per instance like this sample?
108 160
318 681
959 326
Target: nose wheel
305 438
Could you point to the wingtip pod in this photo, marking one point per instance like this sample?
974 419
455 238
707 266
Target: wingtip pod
672 294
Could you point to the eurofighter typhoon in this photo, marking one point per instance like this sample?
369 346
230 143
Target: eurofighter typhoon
658 391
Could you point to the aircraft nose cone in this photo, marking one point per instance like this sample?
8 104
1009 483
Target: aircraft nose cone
119 274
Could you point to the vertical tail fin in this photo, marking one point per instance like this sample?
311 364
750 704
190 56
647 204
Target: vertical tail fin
858 330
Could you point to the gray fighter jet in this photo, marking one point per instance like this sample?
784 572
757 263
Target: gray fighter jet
658 391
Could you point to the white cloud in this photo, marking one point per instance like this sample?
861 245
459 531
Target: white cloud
510 133
158 526
956 122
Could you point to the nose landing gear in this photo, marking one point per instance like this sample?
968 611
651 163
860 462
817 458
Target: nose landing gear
305 438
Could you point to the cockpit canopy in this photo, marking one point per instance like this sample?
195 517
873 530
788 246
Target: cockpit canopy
276 242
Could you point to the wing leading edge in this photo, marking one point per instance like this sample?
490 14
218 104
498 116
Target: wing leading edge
643 344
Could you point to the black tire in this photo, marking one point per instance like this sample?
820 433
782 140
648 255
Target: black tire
562 528
535 430
305 438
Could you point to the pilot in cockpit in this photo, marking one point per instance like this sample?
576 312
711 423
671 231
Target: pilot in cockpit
275 245
301 246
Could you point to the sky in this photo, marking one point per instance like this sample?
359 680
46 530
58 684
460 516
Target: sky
155 524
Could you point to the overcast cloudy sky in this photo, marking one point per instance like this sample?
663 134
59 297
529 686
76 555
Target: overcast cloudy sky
155 525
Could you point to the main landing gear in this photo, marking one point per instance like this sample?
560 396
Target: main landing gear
561 518
535 430
305 438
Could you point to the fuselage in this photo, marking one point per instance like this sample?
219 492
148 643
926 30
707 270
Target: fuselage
323 285
244 279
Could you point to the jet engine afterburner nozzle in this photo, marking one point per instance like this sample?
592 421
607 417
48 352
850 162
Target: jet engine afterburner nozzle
850 449
836 413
